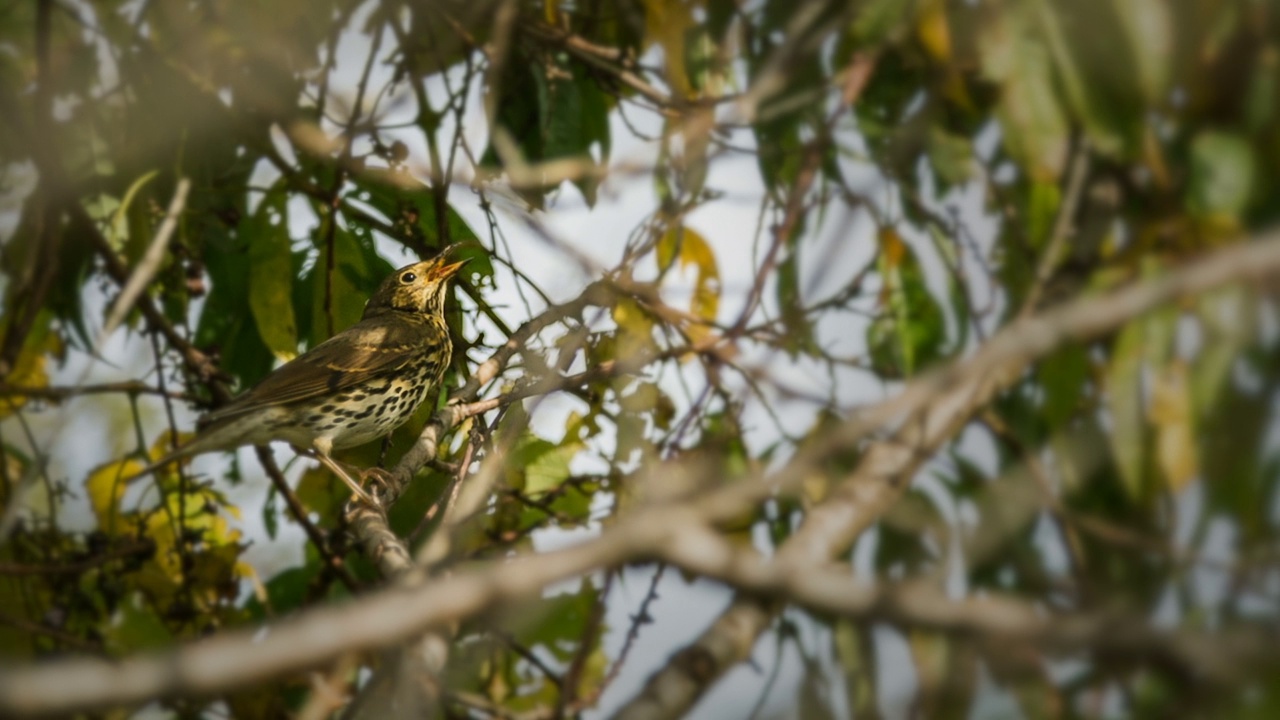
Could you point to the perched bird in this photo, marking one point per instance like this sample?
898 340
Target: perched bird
357 386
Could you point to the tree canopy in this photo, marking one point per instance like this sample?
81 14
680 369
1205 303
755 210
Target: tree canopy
927 349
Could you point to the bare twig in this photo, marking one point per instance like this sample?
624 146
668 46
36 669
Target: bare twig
146 268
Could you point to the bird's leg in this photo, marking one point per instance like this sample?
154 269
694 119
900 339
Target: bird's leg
330 463
381 480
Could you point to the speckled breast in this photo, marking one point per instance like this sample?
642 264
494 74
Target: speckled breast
375 408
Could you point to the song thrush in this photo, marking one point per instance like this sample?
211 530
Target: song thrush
354 387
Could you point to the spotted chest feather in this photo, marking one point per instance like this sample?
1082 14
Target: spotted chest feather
376 407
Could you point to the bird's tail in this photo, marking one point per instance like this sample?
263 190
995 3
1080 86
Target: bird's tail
159 464
194 446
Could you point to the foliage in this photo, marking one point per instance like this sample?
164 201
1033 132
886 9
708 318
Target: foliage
929 172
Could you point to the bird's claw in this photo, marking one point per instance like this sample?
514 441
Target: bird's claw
378 483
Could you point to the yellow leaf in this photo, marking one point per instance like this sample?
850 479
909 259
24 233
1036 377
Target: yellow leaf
692 250
29 370
106 486
1170 412
815 487
931 654
635 329
667 23
933 32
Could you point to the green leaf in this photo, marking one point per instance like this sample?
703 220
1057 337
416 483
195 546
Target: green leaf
879 21
135 627
1032 118
1096 74
1064 375
271 276
271 513
1228 318
910 329
340 283
799 335
852 646
565 135
1125 404
557 623
1221 179
120 233
545 465
950 155
1148 27
225 323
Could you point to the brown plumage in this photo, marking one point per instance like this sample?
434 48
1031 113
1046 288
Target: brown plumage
357 386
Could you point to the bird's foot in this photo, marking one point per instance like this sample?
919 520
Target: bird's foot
345 477
379 482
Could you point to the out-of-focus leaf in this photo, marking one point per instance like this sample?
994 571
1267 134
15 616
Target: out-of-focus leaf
1221 180
692 250
1228 318
815 694
878 21
1095 69
957 291
932 30
30 370
537 466
322 493
271 276
226 321
340 285
930 655
855 651
106 486
950 155
1032 119
135 627
1149 29
799 329
557 623
1171 413
1063 375
910 329
1263 100
549 469
1043 201
786 117
1124 402
666 24
635 329
119 232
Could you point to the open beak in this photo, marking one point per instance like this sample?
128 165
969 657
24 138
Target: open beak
444 272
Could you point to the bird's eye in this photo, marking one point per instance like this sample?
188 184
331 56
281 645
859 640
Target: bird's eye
408 278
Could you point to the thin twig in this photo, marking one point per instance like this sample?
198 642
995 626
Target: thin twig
147 267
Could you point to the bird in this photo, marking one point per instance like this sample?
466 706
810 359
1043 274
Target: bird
357 386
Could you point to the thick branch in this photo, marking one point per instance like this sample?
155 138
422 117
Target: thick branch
935 407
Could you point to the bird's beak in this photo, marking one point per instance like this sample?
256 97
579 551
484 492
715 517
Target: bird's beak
444 272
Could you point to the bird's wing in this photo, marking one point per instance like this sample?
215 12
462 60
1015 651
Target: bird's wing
369 348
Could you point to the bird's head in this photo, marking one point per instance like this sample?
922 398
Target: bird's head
416 288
